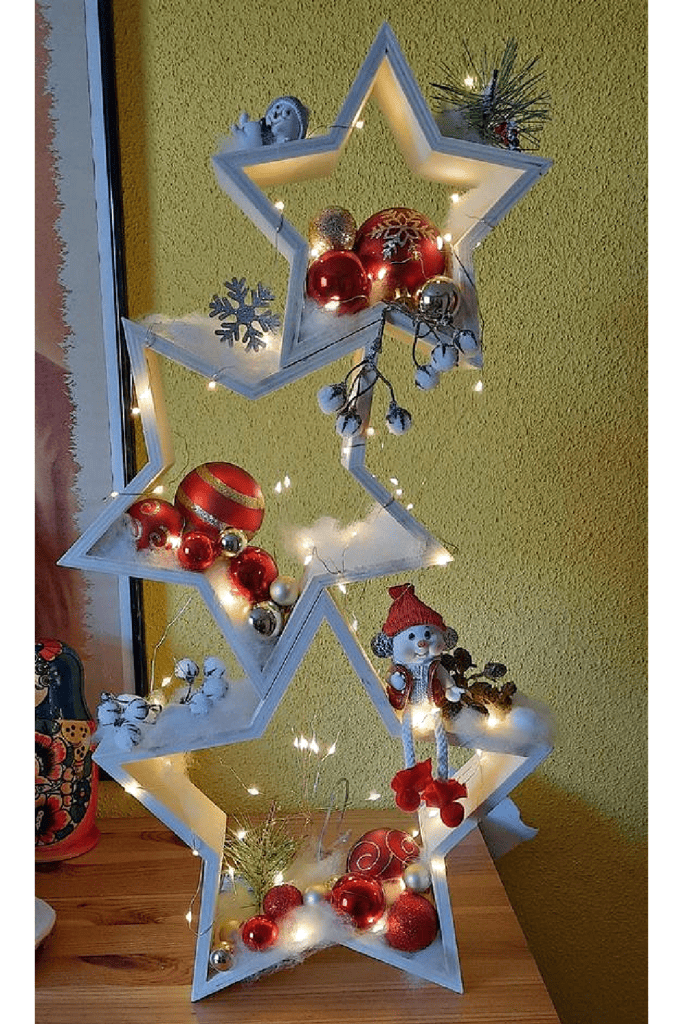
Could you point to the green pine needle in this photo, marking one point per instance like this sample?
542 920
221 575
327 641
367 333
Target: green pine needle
516 95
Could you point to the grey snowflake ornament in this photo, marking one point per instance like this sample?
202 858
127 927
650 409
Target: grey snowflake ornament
245 318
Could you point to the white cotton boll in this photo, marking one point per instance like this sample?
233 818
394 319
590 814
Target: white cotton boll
125 737
134 708
108 710
307 870
187 669
200 703
214 687
213 667
467 341
348 424
398 420
444 357
427 378
332 398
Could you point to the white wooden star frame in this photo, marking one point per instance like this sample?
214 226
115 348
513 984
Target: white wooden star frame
491 181
160 784
488 181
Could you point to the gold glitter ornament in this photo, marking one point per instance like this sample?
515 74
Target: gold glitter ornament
332 228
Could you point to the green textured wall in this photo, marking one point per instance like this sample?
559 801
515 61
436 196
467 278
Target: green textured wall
538 484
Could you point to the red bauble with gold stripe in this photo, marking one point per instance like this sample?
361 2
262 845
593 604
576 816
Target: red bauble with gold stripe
218 495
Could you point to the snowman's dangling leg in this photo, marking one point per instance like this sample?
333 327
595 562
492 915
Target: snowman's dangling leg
441 740
407 737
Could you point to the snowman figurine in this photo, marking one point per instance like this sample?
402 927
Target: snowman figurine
285 120
415 636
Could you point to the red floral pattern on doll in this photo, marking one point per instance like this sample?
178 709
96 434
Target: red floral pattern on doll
51 819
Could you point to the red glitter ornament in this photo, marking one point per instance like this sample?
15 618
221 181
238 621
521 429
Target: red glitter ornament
251 574
382 853
197 551
217 496
400 251
259 933
412 923
155 524
279 900
337 280
359 897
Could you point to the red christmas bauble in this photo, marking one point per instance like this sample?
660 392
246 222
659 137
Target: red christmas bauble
337 280
251 574
359 897
197 550
382 853
259 932
217 496
279 900
412 923
400 251
155 524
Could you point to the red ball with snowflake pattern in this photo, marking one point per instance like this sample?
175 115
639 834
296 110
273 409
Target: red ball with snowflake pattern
400 249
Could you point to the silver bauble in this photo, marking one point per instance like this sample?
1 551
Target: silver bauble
266 619
284 590
315 894
221 957
416 877
438 299
232 542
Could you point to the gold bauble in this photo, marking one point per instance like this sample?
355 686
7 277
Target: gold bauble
332 228
228 931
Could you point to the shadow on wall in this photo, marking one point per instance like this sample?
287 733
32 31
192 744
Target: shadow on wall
580 887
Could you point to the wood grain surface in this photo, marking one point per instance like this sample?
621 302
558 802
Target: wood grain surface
122 952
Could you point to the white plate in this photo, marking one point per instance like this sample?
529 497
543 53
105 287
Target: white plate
45 919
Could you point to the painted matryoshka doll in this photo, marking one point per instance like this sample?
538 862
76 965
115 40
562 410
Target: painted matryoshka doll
66 778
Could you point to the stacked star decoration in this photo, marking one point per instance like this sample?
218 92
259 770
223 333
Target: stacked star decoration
389 896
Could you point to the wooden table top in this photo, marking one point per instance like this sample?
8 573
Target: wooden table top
121 951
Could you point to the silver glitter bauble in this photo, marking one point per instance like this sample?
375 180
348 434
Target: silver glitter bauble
333 228
284 590
416 877
315 894
438 299
266 619
221 958
232 542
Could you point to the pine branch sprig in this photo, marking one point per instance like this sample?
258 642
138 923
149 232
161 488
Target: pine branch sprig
259 852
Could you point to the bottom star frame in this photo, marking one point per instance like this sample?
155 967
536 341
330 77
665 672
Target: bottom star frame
161 784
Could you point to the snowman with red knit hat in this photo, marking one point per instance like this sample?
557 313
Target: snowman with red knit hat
415 636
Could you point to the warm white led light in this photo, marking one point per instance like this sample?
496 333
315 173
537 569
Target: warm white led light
469 82
375 796
253 791
359 124
135 411
159 489
241 834
455 197
479 386
212 385
332 304
279 205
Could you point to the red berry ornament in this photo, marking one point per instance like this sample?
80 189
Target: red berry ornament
279 900
400 251
252 573
197 551
362 899
217 496
383 853
259 933
412 923
155 524
338 281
